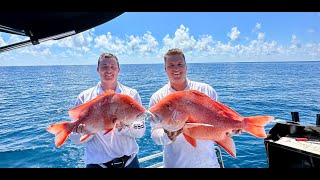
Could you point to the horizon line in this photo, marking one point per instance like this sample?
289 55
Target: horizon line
222 62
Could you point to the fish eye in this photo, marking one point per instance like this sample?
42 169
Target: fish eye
168 104
131 104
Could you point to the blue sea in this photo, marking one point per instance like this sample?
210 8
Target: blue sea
33 97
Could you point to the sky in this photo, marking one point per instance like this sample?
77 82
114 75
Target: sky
205 37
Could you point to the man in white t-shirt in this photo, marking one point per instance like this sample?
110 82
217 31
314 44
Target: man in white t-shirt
178 153
99 152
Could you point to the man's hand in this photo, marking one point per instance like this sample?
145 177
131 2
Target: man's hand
79 129
234 132
237 131
173 135
121 126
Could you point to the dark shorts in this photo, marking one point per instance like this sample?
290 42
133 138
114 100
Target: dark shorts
134 164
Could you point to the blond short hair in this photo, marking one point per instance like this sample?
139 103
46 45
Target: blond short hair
107 55
174 51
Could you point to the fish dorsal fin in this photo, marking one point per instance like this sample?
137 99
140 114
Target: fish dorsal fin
198 93
75 112
227 111
191 140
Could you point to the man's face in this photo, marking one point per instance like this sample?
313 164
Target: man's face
108 70
176 68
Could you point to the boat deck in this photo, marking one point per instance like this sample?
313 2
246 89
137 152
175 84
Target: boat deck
310 146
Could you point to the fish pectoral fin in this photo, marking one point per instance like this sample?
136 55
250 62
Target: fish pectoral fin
190 120
228 145
191 125
84 137
191 140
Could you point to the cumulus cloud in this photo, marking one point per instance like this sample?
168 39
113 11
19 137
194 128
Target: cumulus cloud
110 44
261 36
234 34
78 42
258 26
181 39
204 46
147 44
295 43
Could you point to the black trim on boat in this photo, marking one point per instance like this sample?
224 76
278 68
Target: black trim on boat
43 26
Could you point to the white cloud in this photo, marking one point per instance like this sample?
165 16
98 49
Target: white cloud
234 34
295 43
134 43
80 42
108 43
135 48
182 39
261 36
150 43
258 26
204 44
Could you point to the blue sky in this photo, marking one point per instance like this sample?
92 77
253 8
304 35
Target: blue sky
143 38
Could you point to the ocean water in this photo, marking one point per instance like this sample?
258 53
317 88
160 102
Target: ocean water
32 98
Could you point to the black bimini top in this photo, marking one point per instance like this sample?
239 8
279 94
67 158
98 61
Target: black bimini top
43 26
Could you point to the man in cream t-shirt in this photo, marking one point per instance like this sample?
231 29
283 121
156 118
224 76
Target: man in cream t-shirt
178 153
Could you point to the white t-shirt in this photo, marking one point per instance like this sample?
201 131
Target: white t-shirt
98 148
181 154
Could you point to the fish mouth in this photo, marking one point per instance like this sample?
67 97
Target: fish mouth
152 117
171 128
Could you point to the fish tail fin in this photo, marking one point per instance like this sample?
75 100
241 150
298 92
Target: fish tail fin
61 132
255 125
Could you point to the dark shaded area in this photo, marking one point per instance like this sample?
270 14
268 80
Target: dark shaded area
280 156
43 26
39 25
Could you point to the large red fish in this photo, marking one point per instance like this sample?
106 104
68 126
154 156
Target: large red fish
204 118
99 114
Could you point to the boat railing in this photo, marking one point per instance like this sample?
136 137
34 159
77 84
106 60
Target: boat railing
160 164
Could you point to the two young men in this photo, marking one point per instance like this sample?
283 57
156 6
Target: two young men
178 153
